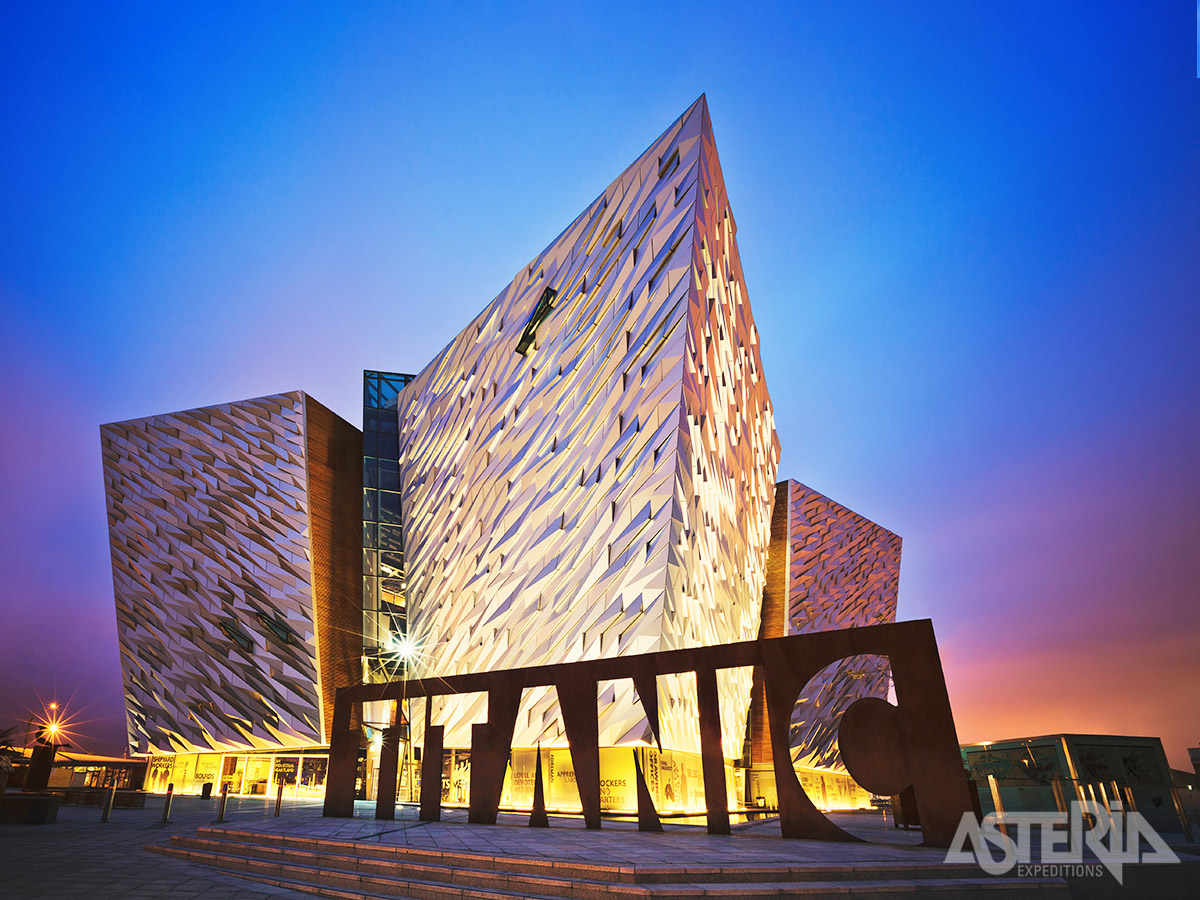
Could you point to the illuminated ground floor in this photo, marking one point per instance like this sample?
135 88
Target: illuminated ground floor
82 770
301 772
675 778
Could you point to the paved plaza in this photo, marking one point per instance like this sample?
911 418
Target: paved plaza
79 857
618 843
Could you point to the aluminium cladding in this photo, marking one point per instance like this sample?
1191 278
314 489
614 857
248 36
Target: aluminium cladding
586 471
223 551
603 485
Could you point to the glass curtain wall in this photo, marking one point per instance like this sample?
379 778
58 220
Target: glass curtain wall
384 613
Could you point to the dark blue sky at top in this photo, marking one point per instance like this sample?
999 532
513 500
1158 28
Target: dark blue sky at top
970 232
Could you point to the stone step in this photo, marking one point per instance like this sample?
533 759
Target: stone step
299 848
321 870
627 874
352 855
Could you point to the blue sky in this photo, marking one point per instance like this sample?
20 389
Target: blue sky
970 234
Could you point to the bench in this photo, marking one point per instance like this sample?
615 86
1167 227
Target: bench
28 809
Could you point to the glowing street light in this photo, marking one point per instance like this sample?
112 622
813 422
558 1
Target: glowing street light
53 725
406 649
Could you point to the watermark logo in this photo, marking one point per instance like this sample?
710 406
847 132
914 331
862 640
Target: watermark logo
1080 842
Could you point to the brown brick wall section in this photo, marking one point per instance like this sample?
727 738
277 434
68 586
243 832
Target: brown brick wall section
335 509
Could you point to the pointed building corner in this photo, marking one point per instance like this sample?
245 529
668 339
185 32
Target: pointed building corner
700 104
648 474
727 429
706 117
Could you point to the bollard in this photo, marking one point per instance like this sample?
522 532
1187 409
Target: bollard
221 805
167 803
106 810
278 800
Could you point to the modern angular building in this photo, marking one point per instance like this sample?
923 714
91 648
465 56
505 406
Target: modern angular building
235 553
587 470
827 568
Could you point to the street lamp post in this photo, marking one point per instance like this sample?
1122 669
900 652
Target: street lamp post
50 736
407 652
408 742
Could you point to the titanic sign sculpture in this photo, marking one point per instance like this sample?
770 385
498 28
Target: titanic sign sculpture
885 748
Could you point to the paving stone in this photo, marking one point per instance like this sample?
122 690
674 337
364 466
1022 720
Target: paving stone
78 857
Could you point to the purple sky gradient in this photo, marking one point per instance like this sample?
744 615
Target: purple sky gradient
971 234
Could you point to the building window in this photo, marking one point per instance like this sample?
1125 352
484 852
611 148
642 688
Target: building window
383 541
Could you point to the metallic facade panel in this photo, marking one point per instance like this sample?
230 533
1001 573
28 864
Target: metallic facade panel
588 471
843 572
211 528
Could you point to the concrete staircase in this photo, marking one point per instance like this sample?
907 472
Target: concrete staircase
355 869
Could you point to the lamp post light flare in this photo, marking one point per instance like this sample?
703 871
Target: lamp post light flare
407 651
